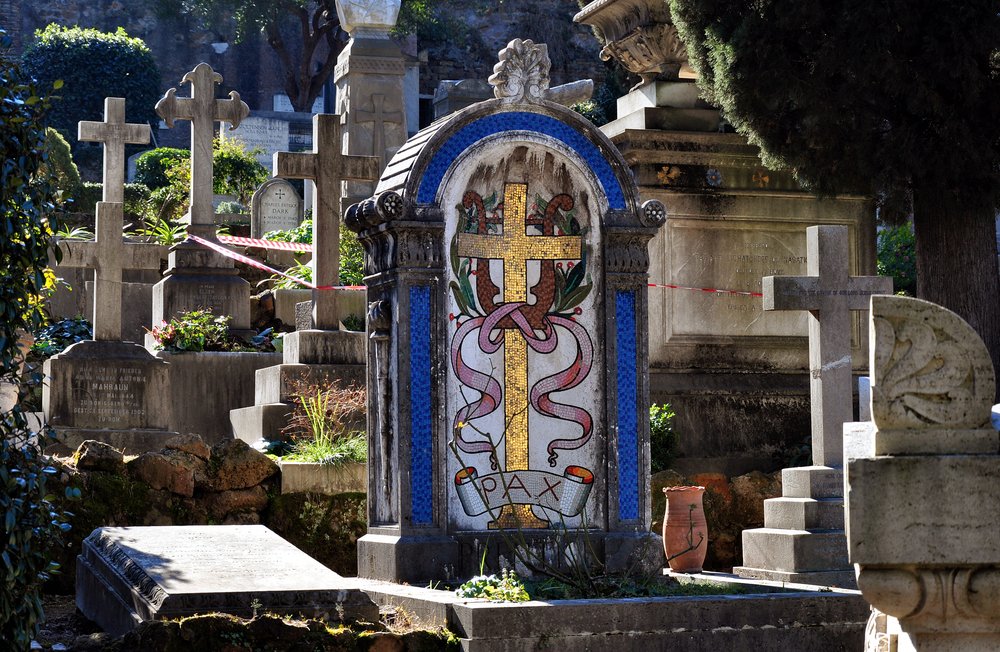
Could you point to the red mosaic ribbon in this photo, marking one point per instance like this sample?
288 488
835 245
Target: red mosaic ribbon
709 290
264 244
261 266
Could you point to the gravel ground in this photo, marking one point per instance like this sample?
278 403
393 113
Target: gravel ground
62 623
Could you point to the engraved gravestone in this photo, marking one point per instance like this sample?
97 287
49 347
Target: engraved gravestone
275 207
129 575
105 388
261 135
507 315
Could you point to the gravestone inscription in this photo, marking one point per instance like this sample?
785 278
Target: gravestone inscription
275 207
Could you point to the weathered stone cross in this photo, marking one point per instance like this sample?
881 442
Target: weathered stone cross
203 110
515 248
829 293
114 132
327 168
110 255
379 117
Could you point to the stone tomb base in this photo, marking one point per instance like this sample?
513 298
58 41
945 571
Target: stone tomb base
766 616
129 575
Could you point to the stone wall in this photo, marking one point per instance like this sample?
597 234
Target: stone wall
190 483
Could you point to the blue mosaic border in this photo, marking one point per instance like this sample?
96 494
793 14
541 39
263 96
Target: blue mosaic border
628 421
421 444
489 125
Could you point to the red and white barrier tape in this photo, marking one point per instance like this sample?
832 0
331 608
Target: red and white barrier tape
261 266
265 244
292 246
708 290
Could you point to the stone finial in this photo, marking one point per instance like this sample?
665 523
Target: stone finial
522 74
929 368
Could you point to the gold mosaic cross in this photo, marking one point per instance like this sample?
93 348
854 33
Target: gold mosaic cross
515 248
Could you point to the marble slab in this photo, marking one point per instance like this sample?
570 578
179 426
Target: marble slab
132 574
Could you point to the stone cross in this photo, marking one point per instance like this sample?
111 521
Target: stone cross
114 132
203 110
327 168
108 257
515 248
829 293
379 118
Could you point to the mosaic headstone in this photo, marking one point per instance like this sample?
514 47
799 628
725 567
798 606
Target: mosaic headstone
507 357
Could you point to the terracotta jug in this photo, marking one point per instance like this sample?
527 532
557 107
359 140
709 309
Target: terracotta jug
685 532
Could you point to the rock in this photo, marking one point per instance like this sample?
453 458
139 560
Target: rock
235 465
222 504
243 518
171 470
189 443
749 493
658 504
97 456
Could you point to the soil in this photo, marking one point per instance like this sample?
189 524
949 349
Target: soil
63 623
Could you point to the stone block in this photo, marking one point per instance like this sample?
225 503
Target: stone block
189 443
325 347
298 477
804 513
237 466
99 456
665 119
128 575
929 510
812 482
680 95
251 424
275 384
794 550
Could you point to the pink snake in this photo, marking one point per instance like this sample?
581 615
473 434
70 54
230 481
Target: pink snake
539 396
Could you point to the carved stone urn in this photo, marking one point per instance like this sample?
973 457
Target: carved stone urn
641 35
372 18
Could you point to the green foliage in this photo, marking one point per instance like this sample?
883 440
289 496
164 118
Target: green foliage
94 65
302 233
507 587
231 208
897 258
65 174
592 111
32 525
298 270
200 330
333 452
151 165
162 232
914 86
57 337
352 258
236 171
662 438
87 195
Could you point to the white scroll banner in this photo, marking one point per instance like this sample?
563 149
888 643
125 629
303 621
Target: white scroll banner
566 493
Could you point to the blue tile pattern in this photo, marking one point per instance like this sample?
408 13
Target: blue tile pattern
519 121
421 444
628 422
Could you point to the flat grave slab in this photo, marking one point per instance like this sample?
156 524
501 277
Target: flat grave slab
131 574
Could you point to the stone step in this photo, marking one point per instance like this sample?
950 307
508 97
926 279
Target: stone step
842 579
259 421
804 513
795 551
812 482
275 384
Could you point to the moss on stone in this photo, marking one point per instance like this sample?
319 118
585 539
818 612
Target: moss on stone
325 527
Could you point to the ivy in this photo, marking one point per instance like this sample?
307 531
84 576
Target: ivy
32 524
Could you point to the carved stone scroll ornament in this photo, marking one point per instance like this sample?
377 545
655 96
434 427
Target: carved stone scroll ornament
929 368
522 74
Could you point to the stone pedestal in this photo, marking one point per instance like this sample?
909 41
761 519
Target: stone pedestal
923 482
310 355
369 77
116 392
198 278
736 376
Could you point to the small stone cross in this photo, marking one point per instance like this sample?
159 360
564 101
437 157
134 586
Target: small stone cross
327 168
829 293
379 117
280 193
114 132
203 110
